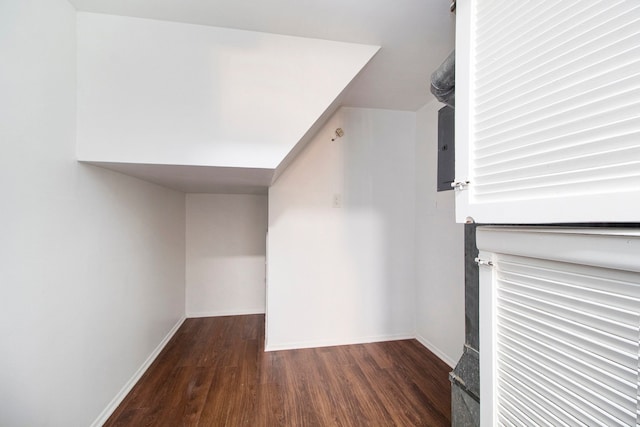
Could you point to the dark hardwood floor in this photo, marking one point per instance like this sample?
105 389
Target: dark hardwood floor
214 372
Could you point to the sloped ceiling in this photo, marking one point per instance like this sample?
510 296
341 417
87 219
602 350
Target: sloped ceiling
414 35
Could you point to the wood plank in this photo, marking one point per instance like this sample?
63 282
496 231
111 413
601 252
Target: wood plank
215 372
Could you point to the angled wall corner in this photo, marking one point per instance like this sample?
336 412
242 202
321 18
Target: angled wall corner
157 92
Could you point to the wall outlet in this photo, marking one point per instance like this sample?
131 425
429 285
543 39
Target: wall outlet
337 200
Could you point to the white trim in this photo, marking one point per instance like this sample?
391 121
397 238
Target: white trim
332 343
220 313
465 29
487 335
435 350
111 407
601 247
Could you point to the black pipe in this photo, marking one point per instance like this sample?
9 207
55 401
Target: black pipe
443 81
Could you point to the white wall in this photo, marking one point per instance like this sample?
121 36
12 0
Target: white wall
439 249
173 93
91 261
345 275
225 259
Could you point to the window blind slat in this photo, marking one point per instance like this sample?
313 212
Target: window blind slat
592 120
612 347
606 370
592 377
552 171
539 154
613 314
502 32
496 14
510 416
520 403
621 282
570 103
555 110
564 286
612 179
591 36
591 393
587 75
553 96
596 319
545 379
515 389
567 341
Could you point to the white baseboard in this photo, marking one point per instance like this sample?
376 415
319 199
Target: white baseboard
435 350
332 343
111 407
219 313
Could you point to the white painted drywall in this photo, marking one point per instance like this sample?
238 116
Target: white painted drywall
91 261
173 93
439 250
225 258
339 275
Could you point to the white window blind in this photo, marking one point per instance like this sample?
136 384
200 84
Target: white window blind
548 111
560 327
